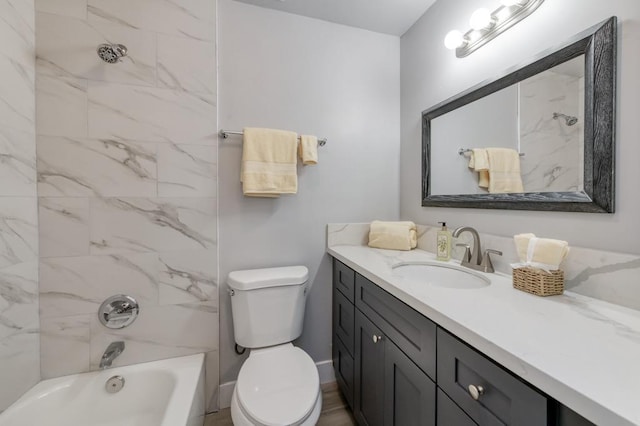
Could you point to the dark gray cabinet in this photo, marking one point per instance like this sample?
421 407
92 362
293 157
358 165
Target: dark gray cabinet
409 393
368 398
485 391
390 389
344 329
344 369
411 331
450 414
387 357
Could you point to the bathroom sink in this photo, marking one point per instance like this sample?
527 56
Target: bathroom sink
440 275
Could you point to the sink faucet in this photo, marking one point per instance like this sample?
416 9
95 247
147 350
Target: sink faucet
113 351
472 259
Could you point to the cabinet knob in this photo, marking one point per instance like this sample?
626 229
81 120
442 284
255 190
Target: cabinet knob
376 339
476 391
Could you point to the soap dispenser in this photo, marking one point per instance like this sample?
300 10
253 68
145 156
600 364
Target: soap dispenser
443 243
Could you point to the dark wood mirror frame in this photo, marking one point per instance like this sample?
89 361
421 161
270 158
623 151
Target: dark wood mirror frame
599 45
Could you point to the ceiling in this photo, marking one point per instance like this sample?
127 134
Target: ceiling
384 16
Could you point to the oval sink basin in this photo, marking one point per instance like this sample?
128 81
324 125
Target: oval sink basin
441 275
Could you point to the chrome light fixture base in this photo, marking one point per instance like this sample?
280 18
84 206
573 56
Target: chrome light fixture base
503 18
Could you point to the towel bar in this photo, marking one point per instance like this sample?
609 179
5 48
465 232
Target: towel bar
224 134
462 151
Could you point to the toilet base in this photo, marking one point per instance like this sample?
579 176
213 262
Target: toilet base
241 419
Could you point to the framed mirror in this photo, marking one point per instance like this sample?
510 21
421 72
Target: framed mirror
539 137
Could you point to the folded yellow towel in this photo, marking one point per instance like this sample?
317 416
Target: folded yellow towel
308 149
545 253
393 235
504 171
269 162
479 162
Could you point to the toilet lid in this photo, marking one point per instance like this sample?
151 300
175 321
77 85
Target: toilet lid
279 385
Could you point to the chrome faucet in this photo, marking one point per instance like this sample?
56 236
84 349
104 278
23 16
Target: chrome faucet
113 351
472 259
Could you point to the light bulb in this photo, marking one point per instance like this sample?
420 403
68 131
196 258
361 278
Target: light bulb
513 2
481 19
454 39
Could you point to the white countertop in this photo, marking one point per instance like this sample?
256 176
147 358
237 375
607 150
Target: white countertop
581 351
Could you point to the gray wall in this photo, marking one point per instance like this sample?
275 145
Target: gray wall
431 74
284 71
19 328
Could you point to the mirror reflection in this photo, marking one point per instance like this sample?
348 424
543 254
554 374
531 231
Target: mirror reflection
528 137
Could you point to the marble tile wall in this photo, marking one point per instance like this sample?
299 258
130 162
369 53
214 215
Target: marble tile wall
19 324
604 275
553 150
127 180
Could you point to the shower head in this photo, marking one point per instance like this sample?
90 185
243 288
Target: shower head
569 120
112 53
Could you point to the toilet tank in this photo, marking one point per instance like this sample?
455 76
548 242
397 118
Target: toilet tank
268 305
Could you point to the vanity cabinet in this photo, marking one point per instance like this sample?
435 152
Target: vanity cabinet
397 367
387 378
389 388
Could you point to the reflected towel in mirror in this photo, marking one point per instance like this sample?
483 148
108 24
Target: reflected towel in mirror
504 171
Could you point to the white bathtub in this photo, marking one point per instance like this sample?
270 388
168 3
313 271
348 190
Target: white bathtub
160 393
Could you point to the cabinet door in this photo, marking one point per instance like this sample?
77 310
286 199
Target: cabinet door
369 374
449 414
409 394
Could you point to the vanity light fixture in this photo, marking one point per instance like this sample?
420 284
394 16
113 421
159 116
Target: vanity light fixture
485 25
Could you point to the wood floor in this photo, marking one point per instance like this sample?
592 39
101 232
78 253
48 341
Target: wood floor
334 410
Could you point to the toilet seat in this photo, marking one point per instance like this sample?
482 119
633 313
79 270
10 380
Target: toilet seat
278 386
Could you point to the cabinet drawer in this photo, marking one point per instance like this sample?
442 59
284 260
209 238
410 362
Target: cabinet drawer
344 279
343 320
343 367
504 399
413 333
450 414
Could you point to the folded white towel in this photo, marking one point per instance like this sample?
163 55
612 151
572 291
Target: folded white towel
393 235
541 253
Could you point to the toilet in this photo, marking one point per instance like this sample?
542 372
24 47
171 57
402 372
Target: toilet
278 384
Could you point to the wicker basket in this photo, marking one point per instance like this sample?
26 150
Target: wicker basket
538 282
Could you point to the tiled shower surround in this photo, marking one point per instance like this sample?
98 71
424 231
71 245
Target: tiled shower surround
127 180
19 328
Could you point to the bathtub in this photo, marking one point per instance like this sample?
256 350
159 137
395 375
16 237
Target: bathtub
160 393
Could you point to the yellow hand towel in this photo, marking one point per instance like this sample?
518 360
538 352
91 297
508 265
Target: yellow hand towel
544 253
504 171
479 162
393 235
308 149
269 162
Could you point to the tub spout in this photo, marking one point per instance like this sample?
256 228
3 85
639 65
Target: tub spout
113 351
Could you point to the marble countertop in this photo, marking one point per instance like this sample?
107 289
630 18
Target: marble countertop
581 351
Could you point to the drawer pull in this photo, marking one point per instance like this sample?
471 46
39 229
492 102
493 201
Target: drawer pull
476 391
376 339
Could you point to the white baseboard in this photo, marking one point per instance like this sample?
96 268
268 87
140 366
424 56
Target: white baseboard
325 371
225 394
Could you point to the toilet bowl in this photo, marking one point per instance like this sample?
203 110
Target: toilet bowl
278 384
